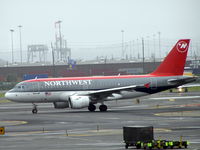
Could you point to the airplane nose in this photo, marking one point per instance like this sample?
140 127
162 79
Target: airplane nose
12 96
9 96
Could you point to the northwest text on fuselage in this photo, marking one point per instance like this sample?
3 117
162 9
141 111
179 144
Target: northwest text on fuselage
68 83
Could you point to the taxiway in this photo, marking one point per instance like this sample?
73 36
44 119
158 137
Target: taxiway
172 115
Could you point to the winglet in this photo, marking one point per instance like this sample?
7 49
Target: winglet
174 63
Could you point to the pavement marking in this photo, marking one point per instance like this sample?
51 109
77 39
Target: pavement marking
194 141
110 118
172 100
70 134
12 123
109 132
28 133
96 133
178 97
161 130
86 133
180 113
175 106
132 106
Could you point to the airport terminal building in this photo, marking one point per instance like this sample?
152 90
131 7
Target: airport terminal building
20 73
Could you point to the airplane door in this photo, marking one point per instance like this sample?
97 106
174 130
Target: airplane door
153 83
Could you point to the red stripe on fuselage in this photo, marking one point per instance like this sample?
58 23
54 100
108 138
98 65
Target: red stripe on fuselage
94 78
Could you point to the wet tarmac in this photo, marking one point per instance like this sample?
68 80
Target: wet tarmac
171 114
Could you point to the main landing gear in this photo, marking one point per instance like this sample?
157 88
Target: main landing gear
92 107
102 108
34 110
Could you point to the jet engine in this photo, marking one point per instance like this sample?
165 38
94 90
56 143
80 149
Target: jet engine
77 102
61 105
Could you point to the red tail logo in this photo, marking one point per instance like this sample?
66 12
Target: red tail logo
182 46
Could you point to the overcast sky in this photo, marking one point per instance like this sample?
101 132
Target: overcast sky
90 22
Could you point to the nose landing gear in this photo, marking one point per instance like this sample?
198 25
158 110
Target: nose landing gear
34 110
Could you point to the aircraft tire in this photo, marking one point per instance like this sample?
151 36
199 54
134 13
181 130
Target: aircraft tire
103 108
34 111
92 107
126 146
186 90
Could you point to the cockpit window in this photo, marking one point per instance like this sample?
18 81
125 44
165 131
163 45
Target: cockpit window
26 87
19 87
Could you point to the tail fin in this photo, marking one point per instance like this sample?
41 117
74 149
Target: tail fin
174 63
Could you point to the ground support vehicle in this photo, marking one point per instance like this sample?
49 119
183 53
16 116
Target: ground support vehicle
142 137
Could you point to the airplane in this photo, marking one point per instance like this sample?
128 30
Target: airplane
85 92
184 88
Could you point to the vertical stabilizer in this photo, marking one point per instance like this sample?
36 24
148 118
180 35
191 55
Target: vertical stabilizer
174 63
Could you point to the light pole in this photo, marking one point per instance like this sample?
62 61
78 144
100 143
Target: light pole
11 30
60 37
20 42
154 44
143 54
148 49
159 47
122 44
53 61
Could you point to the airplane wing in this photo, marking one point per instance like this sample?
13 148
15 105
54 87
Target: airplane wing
108 92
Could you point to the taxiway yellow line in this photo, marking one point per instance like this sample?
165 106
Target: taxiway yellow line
87 133
12 123
180 113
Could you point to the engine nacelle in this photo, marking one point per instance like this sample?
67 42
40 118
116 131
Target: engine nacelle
77 102
61 105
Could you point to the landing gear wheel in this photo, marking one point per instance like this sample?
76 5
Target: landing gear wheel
186 89
103 108
126 146
34 110
92 107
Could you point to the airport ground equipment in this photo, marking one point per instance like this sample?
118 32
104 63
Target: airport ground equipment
2 130
137 135
143 138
